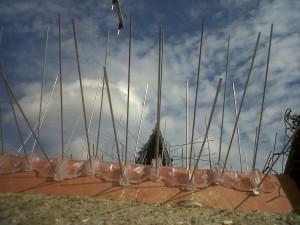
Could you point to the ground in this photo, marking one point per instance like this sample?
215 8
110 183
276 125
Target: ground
49 209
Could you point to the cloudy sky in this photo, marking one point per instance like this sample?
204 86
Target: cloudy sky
22 51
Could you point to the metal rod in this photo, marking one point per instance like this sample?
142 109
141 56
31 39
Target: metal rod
24 116
61 91
118 129
163 147
207 140
82 96
255 152
269 156
239 112
141 119
43 117
208 126
274 147
128 91
17 123
186 123
281 153
238 131
42 84
92 113
113 120
102 92
265 85
224 100
158 98
72 133
196 96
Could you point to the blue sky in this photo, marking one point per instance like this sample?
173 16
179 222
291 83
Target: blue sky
23 45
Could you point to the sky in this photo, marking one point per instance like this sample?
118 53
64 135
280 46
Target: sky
22 54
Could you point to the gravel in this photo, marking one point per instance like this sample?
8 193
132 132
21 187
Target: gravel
48 209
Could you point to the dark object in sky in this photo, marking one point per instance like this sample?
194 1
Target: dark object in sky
116 3
148 151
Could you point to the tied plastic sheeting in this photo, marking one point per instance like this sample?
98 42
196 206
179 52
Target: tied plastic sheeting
136 173
154 172
68 170
8 166
125 175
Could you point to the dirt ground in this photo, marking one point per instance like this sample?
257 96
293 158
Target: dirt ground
48 209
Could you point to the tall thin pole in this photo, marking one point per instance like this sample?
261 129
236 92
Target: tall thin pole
240 109
208 126
158 97
24 116
141 119
186 123
101 104
81 89
128 91
113 120
42 84
196 96
238 131
224 100
61 92
264 92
